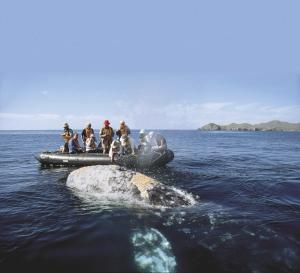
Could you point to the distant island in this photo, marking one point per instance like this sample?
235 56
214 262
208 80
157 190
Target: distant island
274 125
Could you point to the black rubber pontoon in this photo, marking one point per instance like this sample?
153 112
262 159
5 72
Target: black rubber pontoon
64 159
150 160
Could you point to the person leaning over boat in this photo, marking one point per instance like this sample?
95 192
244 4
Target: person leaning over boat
90 144
106 135
66 135
86 133
123 130
114 150
75 145
127 145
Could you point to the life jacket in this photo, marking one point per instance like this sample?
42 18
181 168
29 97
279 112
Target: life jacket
88 132
107 140
107 131
68 134
123 130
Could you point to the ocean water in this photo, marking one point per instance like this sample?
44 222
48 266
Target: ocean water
244 214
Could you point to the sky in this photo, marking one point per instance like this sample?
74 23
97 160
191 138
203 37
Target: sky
156 64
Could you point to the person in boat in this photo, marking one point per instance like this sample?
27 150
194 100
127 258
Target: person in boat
144 147
157 141
75 144
106 136
86 133
67 136
123 130
152 141
127 145
90 144
114 150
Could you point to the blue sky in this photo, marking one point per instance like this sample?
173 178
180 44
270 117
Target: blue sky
156 64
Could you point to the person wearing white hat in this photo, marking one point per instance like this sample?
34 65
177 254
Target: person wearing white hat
151 142
86 133
123 130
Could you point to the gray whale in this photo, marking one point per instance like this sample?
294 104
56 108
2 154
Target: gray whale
118 182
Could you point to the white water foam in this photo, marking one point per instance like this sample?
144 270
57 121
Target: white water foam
188 196
153 252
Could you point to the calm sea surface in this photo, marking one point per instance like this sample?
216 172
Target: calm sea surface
246 218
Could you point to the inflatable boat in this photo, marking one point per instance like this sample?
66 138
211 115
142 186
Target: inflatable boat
150 160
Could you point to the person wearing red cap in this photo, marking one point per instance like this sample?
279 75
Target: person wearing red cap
106 135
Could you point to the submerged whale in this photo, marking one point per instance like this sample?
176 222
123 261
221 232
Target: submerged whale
152 251
116 182
114 185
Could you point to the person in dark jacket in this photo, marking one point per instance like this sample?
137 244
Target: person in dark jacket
75 145
67 136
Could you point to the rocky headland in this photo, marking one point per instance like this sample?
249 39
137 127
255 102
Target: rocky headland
274 125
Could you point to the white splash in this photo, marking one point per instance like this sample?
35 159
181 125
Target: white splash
188 196
153 252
